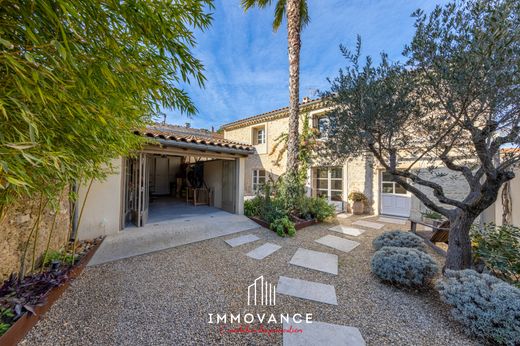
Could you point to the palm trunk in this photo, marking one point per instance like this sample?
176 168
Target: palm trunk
459 248
294 43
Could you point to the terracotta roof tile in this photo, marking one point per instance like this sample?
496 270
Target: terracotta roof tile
190 135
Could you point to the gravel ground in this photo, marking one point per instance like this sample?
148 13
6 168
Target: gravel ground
164 298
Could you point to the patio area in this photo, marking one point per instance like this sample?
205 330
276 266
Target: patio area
165 297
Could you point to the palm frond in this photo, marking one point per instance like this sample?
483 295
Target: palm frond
247 4
279 13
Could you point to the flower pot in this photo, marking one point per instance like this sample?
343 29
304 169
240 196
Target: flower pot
358 208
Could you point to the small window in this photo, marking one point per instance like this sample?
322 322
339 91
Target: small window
389 186
259 135
322 125
259 177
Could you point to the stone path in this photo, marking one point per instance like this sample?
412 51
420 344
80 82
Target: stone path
368 224
248 238
343 216
338 243
320 333
392 220
307 290
316 260
263 251
347 230
315 333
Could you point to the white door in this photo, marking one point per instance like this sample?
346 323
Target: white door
395 200
328 183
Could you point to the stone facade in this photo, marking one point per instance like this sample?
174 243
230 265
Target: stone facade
15 228
360 174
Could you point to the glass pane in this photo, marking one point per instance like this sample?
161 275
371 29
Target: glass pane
388 187
322 193
261 180
399 189
322 184
261 172
336 195
323 125
321 173
336 172
336 185
387 176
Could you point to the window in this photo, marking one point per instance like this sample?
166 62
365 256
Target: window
389 186
322 123
258 179
259 135
328 183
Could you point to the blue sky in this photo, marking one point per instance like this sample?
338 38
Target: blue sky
246 62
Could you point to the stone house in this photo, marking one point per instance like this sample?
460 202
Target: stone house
333 180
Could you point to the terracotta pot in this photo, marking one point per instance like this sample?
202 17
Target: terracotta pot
358 208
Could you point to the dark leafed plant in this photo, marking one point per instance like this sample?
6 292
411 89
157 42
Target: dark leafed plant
447 112
24 295
498 247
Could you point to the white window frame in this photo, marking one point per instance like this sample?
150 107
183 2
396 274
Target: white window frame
259 135
255 175
329 180
394 184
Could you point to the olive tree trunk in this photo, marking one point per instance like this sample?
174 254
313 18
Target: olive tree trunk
294 44
459 249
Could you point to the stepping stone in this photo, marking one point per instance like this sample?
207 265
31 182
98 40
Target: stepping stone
338 243
342 216
347 230
369 224
248 238
263 251
392 220
325 262
307 290
321 333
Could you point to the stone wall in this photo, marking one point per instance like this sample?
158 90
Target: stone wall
16 225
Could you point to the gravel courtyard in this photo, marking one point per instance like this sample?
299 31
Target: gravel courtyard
164 298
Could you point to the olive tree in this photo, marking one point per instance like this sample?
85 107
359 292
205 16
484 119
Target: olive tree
449 110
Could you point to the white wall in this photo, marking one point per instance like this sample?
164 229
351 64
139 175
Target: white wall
101 214
213 178
515 202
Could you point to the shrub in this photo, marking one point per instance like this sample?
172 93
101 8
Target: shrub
355 196
54 255
315 208
486 305
498 248
252 206
403 266
398 239
283 226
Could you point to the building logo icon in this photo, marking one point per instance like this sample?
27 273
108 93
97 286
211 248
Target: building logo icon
261 293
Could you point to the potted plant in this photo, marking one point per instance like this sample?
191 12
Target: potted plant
358 202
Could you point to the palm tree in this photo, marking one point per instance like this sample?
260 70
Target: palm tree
297 17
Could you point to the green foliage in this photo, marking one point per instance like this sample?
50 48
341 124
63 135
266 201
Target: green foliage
315 208
283 226
290 188
356 196
487 307
252 206
430 214
279 11
6 316
78 77
403 266
498 247
62 256
399 239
